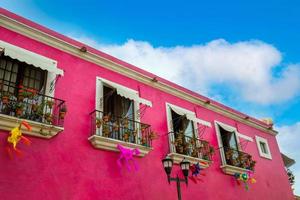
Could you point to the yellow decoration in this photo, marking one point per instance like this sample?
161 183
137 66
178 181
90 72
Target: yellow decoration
16 135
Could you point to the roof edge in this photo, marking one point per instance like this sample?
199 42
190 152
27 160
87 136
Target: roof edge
49 37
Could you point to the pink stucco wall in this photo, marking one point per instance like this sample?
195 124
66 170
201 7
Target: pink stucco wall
68 167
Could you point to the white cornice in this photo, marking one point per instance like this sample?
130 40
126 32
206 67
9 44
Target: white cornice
55 42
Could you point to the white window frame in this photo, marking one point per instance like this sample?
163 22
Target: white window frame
261 153
170 124
100 82
233 129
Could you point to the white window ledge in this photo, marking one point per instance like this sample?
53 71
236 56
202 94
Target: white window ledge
38 129
231 170
110 144
177 158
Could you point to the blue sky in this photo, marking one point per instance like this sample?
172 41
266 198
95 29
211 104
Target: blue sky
256 41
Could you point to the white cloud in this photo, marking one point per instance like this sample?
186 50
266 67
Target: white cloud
245 67
289 142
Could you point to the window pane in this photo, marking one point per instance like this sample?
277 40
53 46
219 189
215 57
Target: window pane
26 71
15 67
32 74
2 64
263 147
38 75
1 73
31 83
9 66
13 77
228 139
7 76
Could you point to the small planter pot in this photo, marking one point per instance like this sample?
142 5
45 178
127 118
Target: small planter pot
62 115
5 99
50 104
34 107
19 111
20 97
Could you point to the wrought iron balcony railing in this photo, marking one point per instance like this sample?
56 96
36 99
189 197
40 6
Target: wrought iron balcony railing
28 104
121 128
238 159
191 146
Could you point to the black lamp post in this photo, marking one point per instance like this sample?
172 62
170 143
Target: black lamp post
185 167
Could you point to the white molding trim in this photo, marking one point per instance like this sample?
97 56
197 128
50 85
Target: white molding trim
55 42
110 144
231 170
245 137
261 153
40 130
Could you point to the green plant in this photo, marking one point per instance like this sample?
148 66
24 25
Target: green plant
48 117
98 122
19 109
5 97
50 103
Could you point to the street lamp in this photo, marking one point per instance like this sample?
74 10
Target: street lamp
184 165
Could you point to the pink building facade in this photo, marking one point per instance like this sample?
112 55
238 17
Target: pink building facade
110 102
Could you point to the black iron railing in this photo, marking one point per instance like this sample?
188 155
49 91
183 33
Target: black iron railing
191 146
120 128
238 159
28 104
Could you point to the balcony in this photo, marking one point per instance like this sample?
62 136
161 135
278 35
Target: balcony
236 161
191 148
44 113
108 131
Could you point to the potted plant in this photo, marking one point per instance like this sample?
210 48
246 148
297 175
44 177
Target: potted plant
105 130
19 109
21 95
62 112
48 117
98 122
106 118
115 126
5 97
50 103
34 107
126 136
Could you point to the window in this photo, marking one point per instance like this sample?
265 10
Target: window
117 105
116 119
120 111
231 154
117 113
14 74
184 141
184 133
263 147
27 82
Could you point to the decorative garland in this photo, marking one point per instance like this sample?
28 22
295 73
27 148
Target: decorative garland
14 138
245 178
127 155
